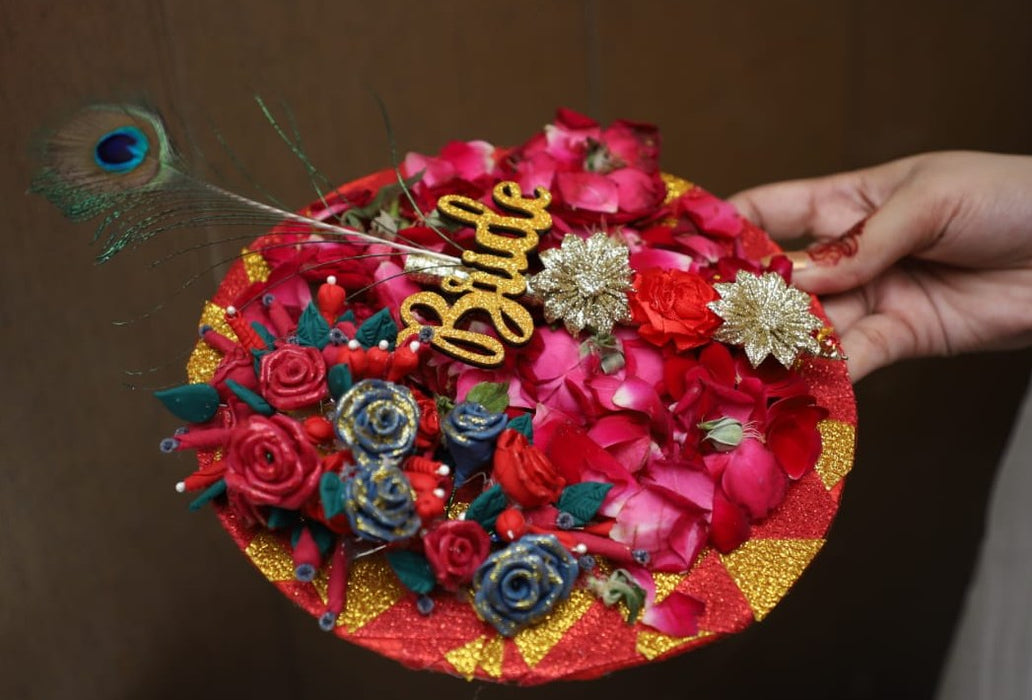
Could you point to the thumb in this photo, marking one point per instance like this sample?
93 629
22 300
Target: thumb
900 227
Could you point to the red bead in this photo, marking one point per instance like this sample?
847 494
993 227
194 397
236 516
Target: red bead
511 524
318 429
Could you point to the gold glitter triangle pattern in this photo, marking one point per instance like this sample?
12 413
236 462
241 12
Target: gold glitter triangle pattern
483 652
838 440
536 641
255 266
466 658
204 359
764 570
666 583
652 644
271 558
494 653
675 187
373 589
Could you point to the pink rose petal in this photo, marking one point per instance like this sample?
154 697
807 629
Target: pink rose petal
677 615
589 191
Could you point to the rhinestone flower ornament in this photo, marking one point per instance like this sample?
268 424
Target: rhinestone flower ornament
766 317
585 283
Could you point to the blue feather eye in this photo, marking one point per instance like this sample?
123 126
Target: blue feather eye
121 150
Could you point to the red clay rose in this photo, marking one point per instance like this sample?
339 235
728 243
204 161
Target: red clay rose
270 462
293 377
523 471
455 549
671 305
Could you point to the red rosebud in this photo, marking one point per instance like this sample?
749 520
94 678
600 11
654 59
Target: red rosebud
355 359
671 305
293 377
404 360
269 461
318 429
429 506
455 549
523 471
511 524
334 461
376 362
429 433
330 299
238 365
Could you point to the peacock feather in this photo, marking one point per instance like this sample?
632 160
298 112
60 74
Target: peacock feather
118 162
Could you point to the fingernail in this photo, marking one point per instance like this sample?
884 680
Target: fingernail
800 259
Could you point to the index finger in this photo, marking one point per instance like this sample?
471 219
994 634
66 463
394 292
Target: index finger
822 207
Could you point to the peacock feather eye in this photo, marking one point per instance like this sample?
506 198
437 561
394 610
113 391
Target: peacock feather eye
121 150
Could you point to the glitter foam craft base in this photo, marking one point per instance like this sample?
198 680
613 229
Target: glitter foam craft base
707 473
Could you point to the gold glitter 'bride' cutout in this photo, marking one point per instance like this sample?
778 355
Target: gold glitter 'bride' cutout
492 284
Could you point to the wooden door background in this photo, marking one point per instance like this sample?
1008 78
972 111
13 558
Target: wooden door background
110 589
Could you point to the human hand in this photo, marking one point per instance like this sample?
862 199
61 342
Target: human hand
928 255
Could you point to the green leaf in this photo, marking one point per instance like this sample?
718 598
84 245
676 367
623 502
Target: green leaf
280 518
253 400
522 424
444 405
258 354
387 195
194 403
324 537
331 489
486 507
494 396
413 570
379 326
582 500
213 491
312 328
269 338
339 380
346 317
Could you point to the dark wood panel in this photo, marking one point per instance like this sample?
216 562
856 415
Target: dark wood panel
110 589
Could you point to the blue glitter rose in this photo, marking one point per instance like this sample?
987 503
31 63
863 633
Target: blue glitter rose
522 583
380 504
378 421
470 432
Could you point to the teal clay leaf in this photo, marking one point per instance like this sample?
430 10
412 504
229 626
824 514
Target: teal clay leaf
494 396
212 492
583 500
379 326
280 518
194 403
253 400
339 380
330 495
413 570
312 328
486 507
267 337
522 424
